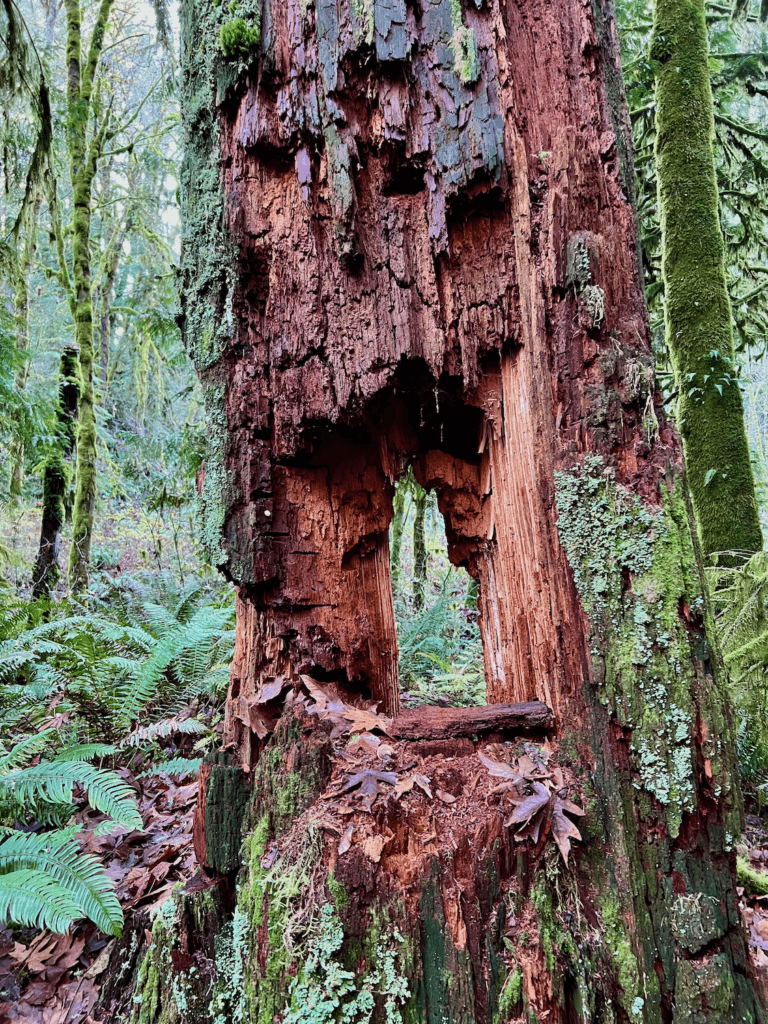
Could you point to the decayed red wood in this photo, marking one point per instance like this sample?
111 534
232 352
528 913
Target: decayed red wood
429 318
432 723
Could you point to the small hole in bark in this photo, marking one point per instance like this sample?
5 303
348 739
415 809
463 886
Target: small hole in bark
402 177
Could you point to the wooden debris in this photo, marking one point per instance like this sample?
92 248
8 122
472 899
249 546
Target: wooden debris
429 723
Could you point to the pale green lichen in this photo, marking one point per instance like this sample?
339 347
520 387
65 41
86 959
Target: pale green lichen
325 992
628 563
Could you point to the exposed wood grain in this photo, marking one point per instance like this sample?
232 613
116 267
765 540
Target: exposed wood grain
431 723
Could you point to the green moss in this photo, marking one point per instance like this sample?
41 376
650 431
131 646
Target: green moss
697 309
755 883
207 271
511 996
620 948
239 40
226 801
464 45
634 568
339 894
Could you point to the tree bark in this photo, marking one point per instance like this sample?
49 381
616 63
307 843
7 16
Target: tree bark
419 548
57 477
84 106
410 240
398 524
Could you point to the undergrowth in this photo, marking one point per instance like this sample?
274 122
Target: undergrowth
121 677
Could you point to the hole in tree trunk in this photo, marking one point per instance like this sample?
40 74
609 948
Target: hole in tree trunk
438 636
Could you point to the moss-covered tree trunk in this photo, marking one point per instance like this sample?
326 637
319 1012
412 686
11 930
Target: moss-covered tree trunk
419 546
21 311
57 477
699 326
83 110
409 241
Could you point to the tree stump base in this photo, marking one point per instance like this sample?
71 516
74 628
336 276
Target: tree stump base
424 908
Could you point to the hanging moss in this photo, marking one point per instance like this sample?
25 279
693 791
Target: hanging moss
697 309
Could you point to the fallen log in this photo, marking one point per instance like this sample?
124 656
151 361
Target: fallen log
431 723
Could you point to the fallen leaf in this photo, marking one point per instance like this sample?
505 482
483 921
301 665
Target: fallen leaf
423 782
404 785
571 808
499 769
365 742
346 840
367 785
269 691
531 804
366 720
101 962
563 831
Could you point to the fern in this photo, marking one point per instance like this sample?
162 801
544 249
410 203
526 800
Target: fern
34 899
740 596
53 781
168 727
24 750
86 884
178 766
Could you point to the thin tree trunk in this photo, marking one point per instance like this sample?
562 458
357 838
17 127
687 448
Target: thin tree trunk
57 476
21 309
419 547
84 154
699 324
409 240
398 524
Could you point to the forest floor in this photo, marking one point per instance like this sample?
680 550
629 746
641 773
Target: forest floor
127 537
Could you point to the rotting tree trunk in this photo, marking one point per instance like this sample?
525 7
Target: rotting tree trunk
409 240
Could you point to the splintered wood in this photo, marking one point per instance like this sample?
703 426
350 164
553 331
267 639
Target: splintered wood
403 296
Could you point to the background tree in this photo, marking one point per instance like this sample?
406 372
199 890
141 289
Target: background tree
697 309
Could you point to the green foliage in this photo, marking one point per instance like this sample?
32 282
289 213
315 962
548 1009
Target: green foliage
29 862
238 39
142 651
53 781
740 596
435 607
146 645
